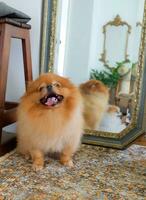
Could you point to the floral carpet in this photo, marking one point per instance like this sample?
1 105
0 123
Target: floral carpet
99 174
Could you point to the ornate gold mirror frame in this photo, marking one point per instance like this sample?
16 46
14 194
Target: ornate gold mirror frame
138 124
116 22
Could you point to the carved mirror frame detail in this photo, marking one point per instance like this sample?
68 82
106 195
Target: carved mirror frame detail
116 22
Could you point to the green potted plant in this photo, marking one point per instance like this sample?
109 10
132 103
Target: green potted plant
112 75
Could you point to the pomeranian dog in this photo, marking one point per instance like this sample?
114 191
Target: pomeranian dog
50 119
95 98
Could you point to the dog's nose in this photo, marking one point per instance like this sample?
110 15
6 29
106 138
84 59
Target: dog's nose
49 87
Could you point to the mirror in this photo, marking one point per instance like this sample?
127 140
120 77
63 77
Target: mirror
99 45
115 29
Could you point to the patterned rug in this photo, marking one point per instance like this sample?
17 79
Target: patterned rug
99 174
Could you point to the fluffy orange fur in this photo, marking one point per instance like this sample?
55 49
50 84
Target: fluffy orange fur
113 109
42 129
95 96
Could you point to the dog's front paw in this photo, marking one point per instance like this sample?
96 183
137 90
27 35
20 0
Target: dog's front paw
68 163
36 167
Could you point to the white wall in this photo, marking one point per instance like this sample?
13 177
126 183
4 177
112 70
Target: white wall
85 38
15 86
62 22
78 39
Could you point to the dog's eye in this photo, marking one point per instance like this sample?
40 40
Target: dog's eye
41 88
57 84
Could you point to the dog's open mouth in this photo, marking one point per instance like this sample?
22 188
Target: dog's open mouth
51 99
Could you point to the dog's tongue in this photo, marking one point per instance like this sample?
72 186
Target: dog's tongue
51 101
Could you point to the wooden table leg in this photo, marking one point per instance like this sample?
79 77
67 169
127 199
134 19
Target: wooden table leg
27 58
5 41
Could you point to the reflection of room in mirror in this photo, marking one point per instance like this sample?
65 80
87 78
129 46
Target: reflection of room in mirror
112 121
112 30
116 51
81 44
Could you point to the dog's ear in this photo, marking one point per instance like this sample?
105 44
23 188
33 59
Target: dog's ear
28 84
31 86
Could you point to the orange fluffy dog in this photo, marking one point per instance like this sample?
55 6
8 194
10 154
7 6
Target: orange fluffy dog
50 119
95 96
